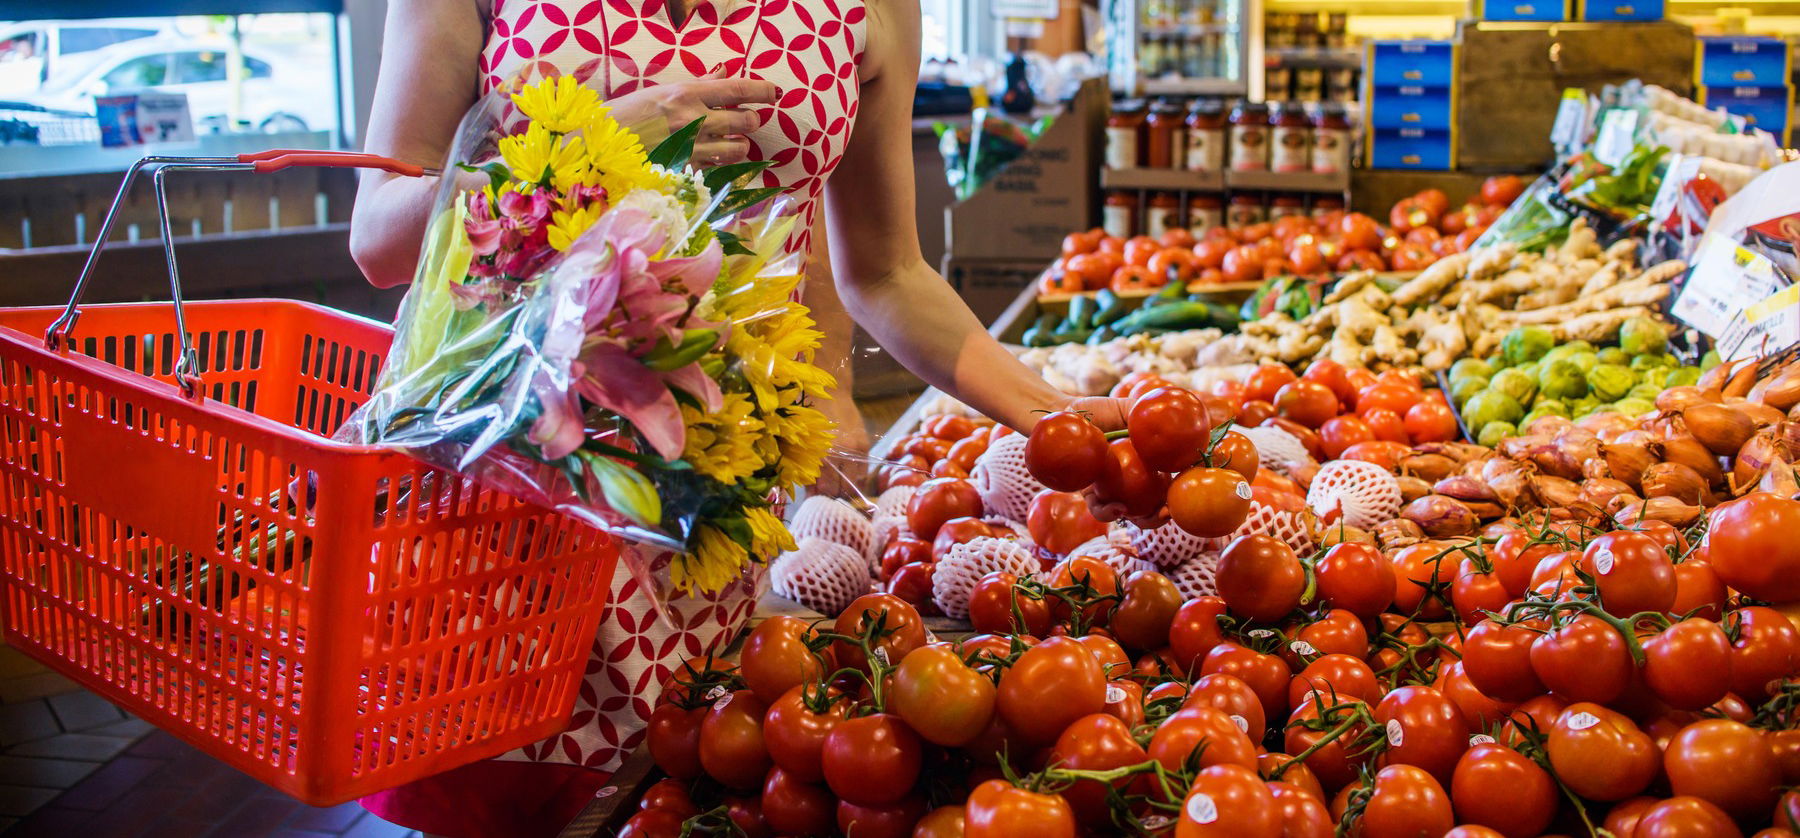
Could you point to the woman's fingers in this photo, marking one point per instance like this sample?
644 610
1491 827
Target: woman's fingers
730 93
726 123
721 151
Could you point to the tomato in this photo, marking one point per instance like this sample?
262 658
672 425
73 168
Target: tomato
794 733
1502 189
1260 578
1750 543
1125 702
1423 574
1431 421
1268 675
942 822
745 812
1583 660
1698 590
939 500
1361 260
1767 648
1086 577
673 736
731 740
1209 502
1095 743
1473 831
1147 609
1065 452
1482 711
1600 754
1172 264
872 760
1787 812
891 821
1303 812
1139 249
1339 433
1050 686
1685 817
1267 380
792 807
776 657
1338 762
1406 802
1724 763
967 450
1335 675
1424 728
1623 817
996 809
1515 557
912 584
652 823
992 603
1496 786
1237 453
1127 481
1195 631
1476 592
903 629
1235 698
1307 402
1631 572
1060 521
1335 632
1360 232
903 550
1688 665
1242 264
1113 660
669 793
1229 800
1169 427
1356 578
940 697
1395 399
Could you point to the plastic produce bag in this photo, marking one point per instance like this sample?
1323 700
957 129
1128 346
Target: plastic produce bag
973 154
601 329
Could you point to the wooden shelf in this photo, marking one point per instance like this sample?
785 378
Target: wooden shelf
1337 183
1172 179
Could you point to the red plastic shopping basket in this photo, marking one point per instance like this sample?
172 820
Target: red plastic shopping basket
180 535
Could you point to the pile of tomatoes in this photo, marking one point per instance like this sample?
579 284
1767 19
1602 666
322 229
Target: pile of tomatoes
1421 229
1543 678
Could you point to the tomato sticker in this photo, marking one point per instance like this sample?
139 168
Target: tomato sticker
1202 809
1583 721
1261 633
607 791
1114 695
1480 739
1302 647
1156 822
1242 723
1395 733
1603 561
714 693
1243 490
723 701
881 654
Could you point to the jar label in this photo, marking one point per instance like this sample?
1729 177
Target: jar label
1158 220
1205 150
1201 220
1116 221
1121 148
1249 148
1201 809
1583 721
1290 149
1330 150
1396 735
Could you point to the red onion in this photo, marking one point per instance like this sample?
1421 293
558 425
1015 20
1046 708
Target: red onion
1441 516
1667 509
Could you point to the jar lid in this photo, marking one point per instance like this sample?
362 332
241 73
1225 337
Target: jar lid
1252 108
1129 105
1208 106
1166 107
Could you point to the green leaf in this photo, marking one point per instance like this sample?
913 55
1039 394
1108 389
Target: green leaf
719 177
742 199
497 172
733 244
674 152
627 491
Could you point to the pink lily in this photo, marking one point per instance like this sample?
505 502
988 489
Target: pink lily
618 382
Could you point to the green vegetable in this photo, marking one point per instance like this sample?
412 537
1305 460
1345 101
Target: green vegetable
1610 383
1168 316
1585 361
1553 406
1561 380
1614 355
1470 368
1493 432
1526 344
1516 385
1081 314
1464 389
1042 332
1643 336
1650 362
1492 406
1169 292
1645 390
1709 360
1583 407
1101 335
1634 406
1682 377
1111 307
1536 414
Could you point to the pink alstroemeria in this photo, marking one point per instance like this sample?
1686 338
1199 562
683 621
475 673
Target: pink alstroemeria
558 430
618 382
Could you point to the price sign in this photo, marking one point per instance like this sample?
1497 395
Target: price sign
143 118
1617 137
1767 326
1726 280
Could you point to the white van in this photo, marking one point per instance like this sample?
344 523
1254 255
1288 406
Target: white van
31 52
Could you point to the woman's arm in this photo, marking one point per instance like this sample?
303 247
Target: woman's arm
881 275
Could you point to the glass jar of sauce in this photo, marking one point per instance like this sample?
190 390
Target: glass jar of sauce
1282 206
1325 206
1125 135
1118 215
1290 138
1162 213
1167 136
1331 140
1250 137
1205 212
1205 138
1246 209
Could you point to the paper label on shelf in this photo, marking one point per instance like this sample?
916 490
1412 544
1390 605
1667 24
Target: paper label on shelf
1726 279
1617 136
1571 120
1767 326
1033 9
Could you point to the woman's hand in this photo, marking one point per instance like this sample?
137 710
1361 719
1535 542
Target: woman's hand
656 112
1106 412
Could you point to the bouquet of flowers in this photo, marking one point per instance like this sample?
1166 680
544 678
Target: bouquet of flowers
602 329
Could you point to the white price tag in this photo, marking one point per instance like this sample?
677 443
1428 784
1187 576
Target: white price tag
1603 561
714 693
1242 723
606 791
1114 695
1202 810
1480 739
1682 168
724 701
1301 647
1617 137
1767 326
1726 280
1571 120
1396 735
1583 721
1261 633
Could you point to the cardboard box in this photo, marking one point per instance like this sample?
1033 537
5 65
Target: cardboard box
990 285
1511 77
1024 212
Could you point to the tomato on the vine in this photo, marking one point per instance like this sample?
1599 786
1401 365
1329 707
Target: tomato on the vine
1688 664
1265 381
1195 631
903 629
991 605
1050 686
996 809
944 700
1060 521
1497 787
872 760
1751 545
1303 812
938 500
1334 676
732 750
1229 801
1337 631
795 727
1145 612
1169 427
1585 659
895 820
1405 802
1515 557
1356 578
1477 591
942 822
1423 728
793 807
1423 574
1685 817
776 657
1336 762
1236 452
1065 452
1698 590
1631 572
1235 698
1260 578
1266 674
673 737
1209 502
1724 763
1481 710
1129 483
1095 743
1764 649
1600 754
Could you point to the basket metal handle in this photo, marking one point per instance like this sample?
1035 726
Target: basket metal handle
187 364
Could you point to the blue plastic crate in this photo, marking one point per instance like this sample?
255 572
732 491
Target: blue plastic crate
1410 107
1742 61
1412 63
1525 10
1621 11
1410 148
1767 108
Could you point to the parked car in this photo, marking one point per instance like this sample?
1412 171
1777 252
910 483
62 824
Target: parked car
280 92
33 52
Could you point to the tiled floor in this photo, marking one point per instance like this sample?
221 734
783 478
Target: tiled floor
72 764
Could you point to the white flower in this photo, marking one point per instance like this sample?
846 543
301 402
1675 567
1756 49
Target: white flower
666 213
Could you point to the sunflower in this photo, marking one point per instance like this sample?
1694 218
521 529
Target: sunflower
561 105
805 436
722 445
539 157
714 563
768 535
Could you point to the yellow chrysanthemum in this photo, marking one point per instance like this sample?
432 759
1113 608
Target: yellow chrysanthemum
617 158
805 437
768 535
567 225
561 105
715 562
537 156
722 445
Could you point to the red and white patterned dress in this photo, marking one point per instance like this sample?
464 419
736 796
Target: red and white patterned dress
811 51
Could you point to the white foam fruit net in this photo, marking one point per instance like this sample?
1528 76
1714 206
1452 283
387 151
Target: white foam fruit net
1368 493
1194 577
1276 449
1293 528
820 575
832 520
1120 557
964 565
1167 545
894 500
1005 484
886 528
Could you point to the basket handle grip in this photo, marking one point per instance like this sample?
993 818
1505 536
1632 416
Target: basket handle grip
275 160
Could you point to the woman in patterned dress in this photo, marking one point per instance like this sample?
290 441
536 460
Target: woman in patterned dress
824 89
